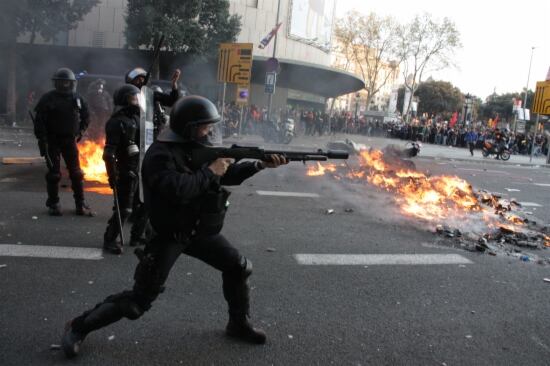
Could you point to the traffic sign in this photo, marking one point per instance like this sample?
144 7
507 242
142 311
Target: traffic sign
235 63
270 81
541 103
243 92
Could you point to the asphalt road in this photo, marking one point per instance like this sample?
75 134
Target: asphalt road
492 310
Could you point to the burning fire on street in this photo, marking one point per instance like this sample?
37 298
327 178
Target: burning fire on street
93 166
439 201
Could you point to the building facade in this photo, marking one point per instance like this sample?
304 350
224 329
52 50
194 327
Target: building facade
303 47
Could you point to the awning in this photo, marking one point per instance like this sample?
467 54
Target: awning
307 77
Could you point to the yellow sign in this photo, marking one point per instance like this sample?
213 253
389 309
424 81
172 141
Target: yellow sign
541 104
235 63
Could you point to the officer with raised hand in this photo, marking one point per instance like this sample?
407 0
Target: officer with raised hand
187 203
61 119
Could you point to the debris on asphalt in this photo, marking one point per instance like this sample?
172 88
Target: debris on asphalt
90 282
329 211
348 210
111 337
546 280
524 258
271 250
3 265
290 336
55 347
469 336
35 217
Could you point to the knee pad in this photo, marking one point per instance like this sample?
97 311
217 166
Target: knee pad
77 175
53 177
242 271
129 307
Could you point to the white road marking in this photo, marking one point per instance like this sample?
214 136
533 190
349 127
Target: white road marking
379 259
542 184
287 194
530 204
512 190
43 251
484 170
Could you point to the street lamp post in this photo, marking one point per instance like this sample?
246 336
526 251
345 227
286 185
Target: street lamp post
270 96
357 96
527 85
467 105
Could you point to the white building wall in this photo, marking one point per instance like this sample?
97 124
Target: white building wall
104 26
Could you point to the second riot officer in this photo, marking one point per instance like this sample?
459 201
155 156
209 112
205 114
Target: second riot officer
61 119
187 205
121 156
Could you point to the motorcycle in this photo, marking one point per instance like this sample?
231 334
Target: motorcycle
490 148
413 150
279 134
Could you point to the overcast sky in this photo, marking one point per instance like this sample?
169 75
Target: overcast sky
497 38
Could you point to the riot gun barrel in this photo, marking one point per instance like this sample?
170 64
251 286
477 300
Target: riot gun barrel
207 154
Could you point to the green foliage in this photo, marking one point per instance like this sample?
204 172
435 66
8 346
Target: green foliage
438 97
194 26
499 104
44 17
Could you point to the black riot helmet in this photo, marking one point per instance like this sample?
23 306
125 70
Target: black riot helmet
64 80
133 75
186 115
122 95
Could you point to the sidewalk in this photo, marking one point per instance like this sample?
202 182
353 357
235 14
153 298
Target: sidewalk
427 151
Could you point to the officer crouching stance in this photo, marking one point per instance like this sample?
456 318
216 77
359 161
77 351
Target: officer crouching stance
187 205
61 119
121 156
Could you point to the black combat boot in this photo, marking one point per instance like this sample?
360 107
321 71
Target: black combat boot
71 340
54 209
110 243
83 209
77 329
240 327
237 294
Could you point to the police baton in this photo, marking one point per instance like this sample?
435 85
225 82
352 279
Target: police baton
156 53
43 148
119 219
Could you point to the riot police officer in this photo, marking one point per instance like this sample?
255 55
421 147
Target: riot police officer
187 205
137 77
121 156
61 119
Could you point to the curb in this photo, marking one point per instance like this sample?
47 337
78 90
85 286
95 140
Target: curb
476 161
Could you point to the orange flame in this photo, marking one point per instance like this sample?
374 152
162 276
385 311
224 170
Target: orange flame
91 161
315 171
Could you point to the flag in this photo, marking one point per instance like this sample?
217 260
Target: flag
453 120
264 42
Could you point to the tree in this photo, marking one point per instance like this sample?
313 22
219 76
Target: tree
192 26
501 105
437 97
44 17
370 42
425 45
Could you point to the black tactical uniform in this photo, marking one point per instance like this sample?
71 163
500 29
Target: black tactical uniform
62 117
187 205
121 156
